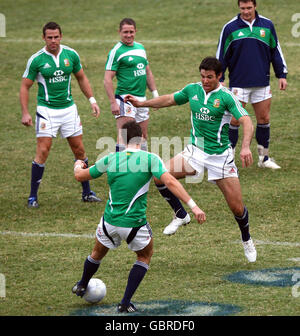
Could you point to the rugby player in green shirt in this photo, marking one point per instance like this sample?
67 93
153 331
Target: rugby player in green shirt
129 174
128 62
56 111
212 107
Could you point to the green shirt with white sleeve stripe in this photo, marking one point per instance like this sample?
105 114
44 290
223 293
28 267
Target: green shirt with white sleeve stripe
53 75
129 174
210 115
129 63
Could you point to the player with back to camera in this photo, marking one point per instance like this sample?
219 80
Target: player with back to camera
248 44
212 106
129 174
56 111
128 62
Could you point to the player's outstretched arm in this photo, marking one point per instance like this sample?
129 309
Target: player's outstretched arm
177 189
161 101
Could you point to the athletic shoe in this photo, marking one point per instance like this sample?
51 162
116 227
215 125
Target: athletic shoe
32 202
250 251
78 289
124 309
91 197
176 222
270 163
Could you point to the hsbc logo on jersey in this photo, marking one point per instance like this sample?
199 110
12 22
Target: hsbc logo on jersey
204 115
204 110
141 71
59 77
58 73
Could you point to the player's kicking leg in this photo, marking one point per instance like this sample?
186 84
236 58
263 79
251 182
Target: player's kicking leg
179 168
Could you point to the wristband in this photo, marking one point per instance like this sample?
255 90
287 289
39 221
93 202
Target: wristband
191 204
92 100
155 93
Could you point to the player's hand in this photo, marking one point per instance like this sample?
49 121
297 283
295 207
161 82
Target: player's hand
115 108
96 110
79 163
132 100
246 157
282 83
199 214
26 119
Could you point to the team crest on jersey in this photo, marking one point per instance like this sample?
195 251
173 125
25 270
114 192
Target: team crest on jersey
235 91
66 61
43 125
262 33
217 103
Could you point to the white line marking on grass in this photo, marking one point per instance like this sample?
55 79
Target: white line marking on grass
261 242
80 41
90 41
72 235
46 234
294 259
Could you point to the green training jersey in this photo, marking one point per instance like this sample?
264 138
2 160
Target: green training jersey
53 75
210 115
130 64
129 174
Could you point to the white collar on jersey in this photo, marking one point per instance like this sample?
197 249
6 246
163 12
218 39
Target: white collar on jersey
250 24
55 58
207 95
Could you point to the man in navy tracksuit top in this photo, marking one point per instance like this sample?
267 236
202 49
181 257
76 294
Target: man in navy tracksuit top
248 45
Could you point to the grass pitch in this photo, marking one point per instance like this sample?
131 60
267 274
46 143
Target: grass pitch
39 270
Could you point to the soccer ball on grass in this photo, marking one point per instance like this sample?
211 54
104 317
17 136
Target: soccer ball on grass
96 291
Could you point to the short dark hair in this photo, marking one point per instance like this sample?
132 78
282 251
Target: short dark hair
211 63
253 1
127 21
131 132
51 26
